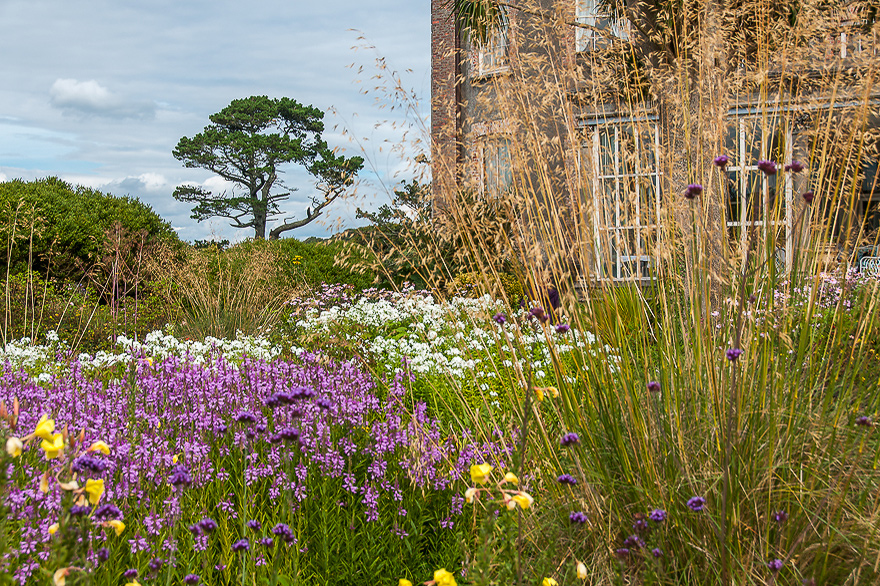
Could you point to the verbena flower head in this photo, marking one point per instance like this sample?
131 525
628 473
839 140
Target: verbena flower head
780 517
570 439
633 542
105 511
266 541
567 479
179 476
795 166
621 553
499 318
767 167
88 463
241 545
207 525
289 434
578 517
130 573
81 510
156 564
775 565
283 531
538 312
103 554
721 161
864 421
654 386
657 552
191 579
657 515
253 525
733 354
245 417
640 525
696 503
808 196
693 190
324 403
562 328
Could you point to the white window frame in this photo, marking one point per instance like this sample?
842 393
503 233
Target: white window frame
587 12
492 57
494 163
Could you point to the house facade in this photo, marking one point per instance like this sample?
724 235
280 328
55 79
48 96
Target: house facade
617 164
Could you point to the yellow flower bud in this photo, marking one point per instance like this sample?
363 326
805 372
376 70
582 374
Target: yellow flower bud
117 526
53 528
581 571
511 478
549 582
479 472
45 427
95 489
100 446
14 447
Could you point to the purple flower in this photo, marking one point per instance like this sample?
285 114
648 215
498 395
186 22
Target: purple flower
103 554
324 404
289 434
864 421
207 525
179 476
795 166
191 579
640 525
775 565
106 511
657 515
194 529
567 479
570 439
696 503
499 318
768 167
130 573
622 553
733 354
808 196
657 552
538 312
577 517
156 564
780 517
253 525
241 545
266 541
693 190
654 386
562 328
283 531
633 542
721 161
80 510
244 417
88 463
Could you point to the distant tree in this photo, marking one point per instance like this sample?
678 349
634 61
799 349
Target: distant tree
246 144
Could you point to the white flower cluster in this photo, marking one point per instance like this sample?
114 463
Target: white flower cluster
457 338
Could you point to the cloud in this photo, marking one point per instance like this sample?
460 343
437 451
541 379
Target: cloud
89 98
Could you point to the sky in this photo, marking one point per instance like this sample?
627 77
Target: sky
99 92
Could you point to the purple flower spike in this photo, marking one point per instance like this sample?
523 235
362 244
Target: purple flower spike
562 328
768 167
567 479
657 515
808 196
191 579
693 190
499 318
721 161
577 517
780 517
775 565
864 421
696 503
241 545
654 386
733 354
570 439
657 552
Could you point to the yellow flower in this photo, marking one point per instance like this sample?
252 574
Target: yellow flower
60 576
553 392
14 447
133 583
581 571
95 488
45 427
53 528
511 478
117 525
100 446
174 458
53 447
539 392
479 472
404 582
444 578
469 495
523 499
549 582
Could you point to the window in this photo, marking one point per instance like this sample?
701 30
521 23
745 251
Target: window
491 57
622 165
494 164
587 12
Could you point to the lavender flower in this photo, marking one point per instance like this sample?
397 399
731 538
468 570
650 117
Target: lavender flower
130 573
266 541
767 167
241 545
499 318
577 517
207 525
179 476
696 503
693 190
721 161
657 515
733 354
283 531
80 510
775 565
570 439
567 479
808 196
253 525
654 387
562 328
795 166
191 579
780 517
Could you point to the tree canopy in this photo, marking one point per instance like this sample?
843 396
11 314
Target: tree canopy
246 144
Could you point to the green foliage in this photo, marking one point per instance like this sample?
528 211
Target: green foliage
246 143
312 262
472 285
59 230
